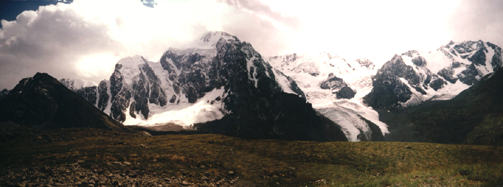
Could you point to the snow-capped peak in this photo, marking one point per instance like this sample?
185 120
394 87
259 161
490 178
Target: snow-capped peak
187 85
129 67
131 62
212 38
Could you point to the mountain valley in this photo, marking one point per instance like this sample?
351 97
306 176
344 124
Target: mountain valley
220 114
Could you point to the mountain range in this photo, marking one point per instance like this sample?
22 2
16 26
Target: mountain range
355 93
223 85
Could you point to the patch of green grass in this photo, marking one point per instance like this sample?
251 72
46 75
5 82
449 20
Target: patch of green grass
260 162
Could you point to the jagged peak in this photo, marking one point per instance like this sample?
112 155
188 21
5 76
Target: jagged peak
469 46
411 53
129 67
41 75
206 45
38 79
131 61
396 58
212 38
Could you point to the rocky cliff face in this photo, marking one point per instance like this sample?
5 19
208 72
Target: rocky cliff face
412 77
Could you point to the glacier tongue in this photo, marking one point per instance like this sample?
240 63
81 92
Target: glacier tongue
311 70
208 108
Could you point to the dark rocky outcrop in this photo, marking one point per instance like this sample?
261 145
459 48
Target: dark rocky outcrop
345 93
338 86
388 90
103 95
43 102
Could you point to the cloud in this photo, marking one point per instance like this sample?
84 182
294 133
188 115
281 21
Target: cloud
478 20
84 39
259 8
49 40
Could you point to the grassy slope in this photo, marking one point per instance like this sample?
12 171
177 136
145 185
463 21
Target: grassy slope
208 158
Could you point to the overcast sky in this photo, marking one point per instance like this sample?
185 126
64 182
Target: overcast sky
84 39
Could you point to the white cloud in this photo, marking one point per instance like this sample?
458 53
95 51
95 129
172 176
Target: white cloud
365 28
50 40
84 39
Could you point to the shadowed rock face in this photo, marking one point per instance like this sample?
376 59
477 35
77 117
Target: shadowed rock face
120 97
333 82
89 94
388 90
3 93
43 102
103 95
146 90
346 93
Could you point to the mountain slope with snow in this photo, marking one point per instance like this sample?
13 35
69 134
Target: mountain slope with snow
350 92
335 86
474 116
220 76
411 78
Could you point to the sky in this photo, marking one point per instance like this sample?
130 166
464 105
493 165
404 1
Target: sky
83 39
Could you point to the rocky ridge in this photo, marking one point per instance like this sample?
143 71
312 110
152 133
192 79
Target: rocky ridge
414 77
